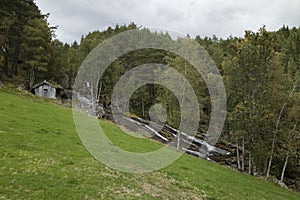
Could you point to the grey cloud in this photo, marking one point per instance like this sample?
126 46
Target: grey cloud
202 17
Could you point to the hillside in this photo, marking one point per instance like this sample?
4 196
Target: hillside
42 157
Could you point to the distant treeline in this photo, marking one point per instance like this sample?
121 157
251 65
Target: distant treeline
261 72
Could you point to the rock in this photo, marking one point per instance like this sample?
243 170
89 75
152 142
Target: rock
297 184
21 87
278 182
282 184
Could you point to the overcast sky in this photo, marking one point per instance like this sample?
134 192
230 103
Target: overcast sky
194 17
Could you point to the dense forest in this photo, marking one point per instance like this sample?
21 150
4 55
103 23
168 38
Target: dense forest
261 72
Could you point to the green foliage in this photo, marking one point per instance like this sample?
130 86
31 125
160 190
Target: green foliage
35 46
18 17
258 84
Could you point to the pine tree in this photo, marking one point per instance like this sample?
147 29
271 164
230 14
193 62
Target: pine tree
35 46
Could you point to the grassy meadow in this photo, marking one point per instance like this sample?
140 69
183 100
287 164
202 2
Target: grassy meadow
42 157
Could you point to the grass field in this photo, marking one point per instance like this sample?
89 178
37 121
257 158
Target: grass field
42 157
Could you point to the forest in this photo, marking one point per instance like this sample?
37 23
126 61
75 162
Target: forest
261 72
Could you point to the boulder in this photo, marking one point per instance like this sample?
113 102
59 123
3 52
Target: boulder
278 182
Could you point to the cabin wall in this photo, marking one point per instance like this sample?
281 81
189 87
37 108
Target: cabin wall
45 91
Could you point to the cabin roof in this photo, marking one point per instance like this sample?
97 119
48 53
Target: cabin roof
56 86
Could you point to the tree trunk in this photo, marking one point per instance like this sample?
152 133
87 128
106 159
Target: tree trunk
274 140
14 63
284 167
265 167
238 153
182 100
276 129
16 69
31 77
243 153
99 90
92 94
288 151
178 139
250 164
143 105
271 156
253 166
6 64
70 76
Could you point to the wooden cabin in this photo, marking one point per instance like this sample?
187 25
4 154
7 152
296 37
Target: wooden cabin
47 90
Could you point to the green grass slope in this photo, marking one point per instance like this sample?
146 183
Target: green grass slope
42 157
